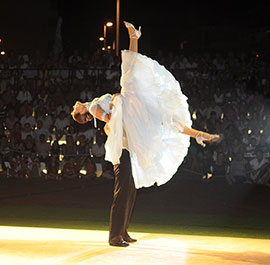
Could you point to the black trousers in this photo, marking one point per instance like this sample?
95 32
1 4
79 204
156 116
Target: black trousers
124 196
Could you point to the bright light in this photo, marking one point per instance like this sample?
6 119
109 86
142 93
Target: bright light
3 52
103 49
60 142
83 172
194 115
249 131
109 24
59 171
261 131
101 38
108 47
45 171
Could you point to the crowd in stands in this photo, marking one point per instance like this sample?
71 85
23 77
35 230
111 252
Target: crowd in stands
228 94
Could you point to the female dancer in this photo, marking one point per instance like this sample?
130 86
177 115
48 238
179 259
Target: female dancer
150 119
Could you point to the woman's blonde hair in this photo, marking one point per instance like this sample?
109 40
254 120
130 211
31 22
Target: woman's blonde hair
81 118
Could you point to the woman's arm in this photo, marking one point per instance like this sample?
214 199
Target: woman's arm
83 108
101 114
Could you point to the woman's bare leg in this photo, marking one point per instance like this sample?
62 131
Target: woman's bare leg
134 35
133 44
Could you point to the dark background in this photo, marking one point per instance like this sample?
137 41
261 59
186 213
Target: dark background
202 26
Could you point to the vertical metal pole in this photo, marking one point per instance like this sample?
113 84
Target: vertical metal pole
105 36
117 25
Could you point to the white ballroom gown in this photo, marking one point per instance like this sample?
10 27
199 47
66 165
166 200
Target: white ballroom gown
147 119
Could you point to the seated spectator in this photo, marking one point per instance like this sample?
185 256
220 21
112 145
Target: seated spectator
39 108
41 130
112 73
27 130
250 148
86 95
24 108
258 165
24 95
33 166
61 121
70 169
4 146
236 147
28 118
14 105
3 169
219 97
46 119
87 131
199 123
43 149
212 107
237 170
69 149
230 111
42 96
28 146
11 119
90 167
55 149
53 167
211 122
82 146
52 109
98 149
16 133
219 167
8 95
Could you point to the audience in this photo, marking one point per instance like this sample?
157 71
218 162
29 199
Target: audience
228 94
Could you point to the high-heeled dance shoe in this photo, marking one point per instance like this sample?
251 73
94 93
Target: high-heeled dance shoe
201 138
136 34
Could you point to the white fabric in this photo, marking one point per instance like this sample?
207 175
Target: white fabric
153 112
104 102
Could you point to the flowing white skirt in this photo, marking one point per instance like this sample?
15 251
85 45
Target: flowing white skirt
154 111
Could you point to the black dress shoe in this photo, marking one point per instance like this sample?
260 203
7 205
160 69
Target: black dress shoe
130 240
119 244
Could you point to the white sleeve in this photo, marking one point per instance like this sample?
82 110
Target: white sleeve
92 107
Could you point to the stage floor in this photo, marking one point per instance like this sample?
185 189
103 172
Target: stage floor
36 246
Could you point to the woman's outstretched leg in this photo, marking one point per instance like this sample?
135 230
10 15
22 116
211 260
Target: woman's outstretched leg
134 35
200 136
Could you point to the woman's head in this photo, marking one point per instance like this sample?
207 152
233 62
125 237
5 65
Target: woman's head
81 118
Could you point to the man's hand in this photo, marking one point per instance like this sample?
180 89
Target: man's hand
80 107
107 129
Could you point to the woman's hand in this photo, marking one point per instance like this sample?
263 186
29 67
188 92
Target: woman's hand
80 107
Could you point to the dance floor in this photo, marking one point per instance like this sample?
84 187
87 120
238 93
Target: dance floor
36 246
